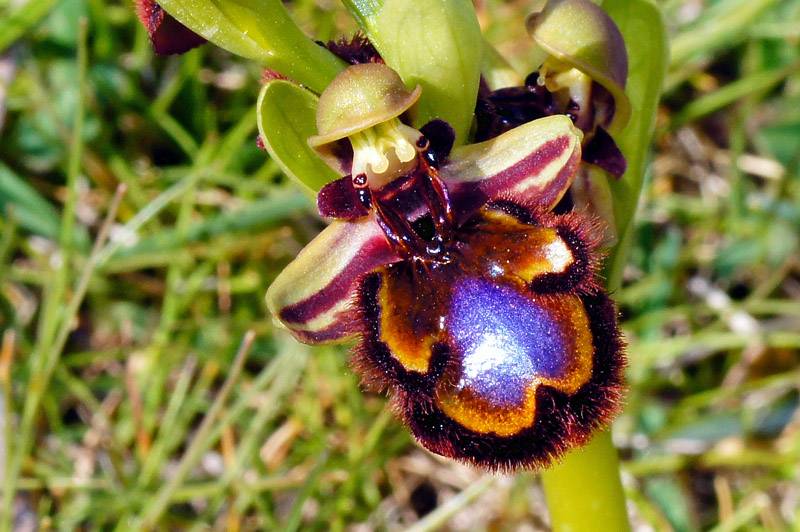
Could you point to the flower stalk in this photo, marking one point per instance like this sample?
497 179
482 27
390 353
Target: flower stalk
263 31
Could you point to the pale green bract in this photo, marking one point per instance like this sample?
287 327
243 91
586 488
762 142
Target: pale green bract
436 44
286 118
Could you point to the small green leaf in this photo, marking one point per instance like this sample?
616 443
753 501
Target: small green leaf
286 118
436 44
261 30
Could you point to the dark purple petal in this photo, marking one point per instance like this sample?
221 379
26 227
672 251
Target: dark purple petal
355 51
603 152
339 199
167 34
504 109
441 137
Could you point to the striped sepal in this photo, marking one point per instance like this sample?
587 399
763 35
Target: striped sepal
534 164
312 296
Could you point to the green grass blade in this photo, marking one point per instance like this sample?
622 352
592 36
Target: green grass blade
31 210
15 25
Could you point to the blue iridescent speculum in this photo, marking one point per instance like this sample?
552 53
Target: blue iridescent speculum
483 317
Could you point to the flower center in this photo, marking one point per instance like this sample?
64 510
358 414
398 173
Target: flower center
384 152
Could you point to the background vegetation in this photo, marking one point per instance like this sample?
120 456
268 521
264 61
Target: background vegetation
125 403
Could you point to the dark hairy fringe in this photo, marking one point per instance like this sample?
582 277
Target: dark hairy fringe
583 235
371 357
562 421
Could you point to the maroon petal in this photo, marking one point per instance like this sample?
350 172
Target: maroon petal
167 34
442 136
339 199
357 50
602 151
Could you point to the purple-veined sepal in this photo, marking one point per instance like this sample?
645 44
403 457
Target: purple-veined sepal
313 295
533 163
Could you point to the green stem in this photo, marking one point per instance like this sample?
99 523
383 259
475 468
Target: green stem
584 492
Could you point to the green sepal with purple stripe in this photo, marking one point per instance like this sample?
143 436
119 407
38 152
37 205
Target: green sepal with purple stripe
534 164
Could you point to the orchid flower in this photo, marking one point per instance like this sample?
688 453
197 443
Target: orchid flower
476 306
426 229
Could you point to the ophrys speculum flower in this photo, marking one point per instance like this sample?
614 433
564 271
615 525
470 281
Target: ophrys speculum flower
474 306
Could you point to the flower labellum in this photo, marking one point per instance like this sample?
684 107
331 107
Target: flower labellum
476 308
506 353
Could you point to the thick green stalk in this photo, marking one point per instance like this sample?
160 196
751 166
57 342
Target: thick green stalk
584 492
